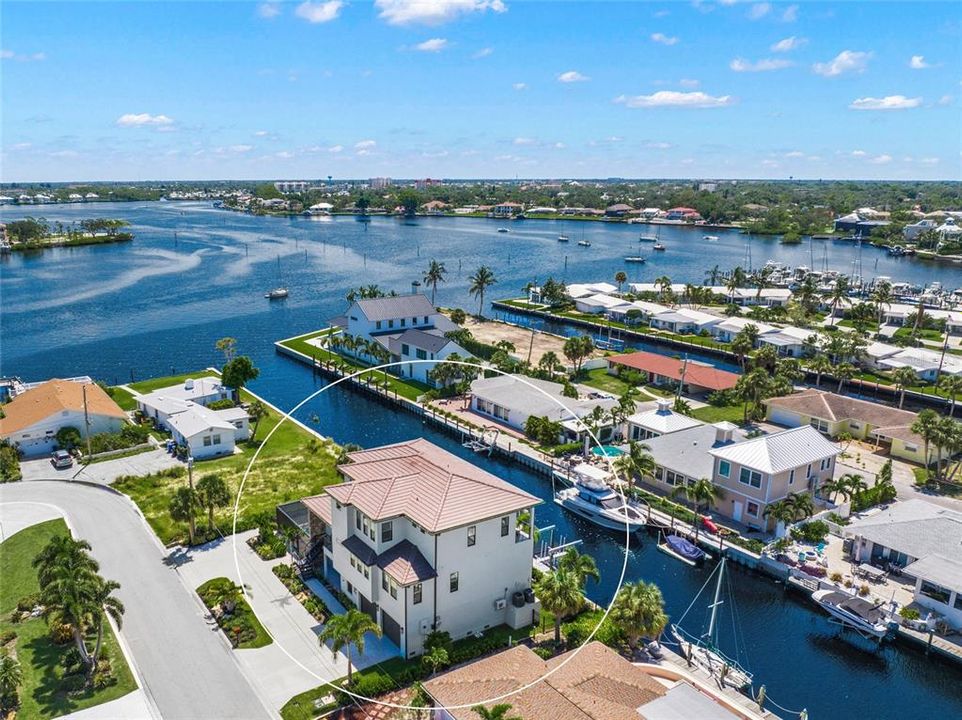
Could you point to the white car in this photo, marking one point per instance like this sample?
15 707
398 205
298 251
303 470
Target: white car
61 459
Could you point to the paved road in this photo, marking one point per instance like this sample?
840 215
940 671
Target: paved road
104 472
188 670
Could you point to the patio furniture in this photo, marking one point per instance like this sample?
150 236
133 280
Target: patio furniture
871 572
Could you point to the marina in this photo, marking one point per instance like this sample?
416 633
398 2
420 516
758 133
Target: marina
237 253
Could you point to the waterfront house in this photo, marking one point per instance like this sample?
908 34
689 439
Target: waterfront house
661 420
923 539
200 391
925 363
204 432
645 311
422 540
618 210
683 321
593 682
834 414
910 233
511 400
696 377
600 303
789 341
763 470
507 209
581 290
876 352
728 328
31 420
682 214
682 457
408 327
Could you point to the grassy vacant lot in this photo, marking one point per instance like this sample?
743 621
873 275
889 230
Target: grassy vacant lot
711 414
294 464
410 389
42 694
600 379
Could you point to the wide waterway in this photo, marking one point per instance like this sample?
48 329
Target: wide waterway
158 304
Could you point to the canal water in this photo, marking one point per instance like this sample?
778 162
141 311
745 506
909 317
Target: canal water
157 305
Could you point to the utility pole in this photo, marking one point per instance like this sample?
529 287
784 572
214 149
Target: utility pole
681 382
945 346
190 471
83 390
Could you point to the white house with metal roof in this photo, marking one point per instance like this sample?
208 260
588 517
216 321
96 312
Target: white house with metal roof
661 420
422 540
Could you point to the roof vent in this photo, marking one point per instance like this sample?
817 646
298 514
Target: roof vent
723 432
664 406
188 384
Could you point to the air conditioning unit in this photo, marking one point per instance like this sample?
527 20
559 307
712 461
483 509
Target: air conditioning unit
500 604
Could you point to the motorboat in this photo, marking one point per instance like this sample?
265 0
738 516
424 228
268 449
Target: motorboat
584 243
593 500
563 238
635 258
866 617
659 247
683 549
710 238
502 230
278 293
648 238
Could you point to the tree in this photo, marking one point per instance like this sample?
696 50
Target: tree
801 504
712 276
819 365
228 346
701 491
560 594
435 659
637 461
68 437
482 279
212 492
882 298
346 630
780 511
550 364
458 316
843 372
752 388
496 712
434 275
237 373
11 677
577 350
951 385
183 508
256 411
904 377
837 294
581 565
639 610
621 278
362 203
104 604
926 426
409 200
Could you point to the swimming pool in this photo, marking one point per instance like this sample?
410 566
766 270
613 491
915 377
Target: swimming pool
606 451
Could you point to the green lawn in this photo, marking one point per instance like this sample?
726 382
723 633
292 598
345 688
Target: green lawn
243 619
600 379
42 694
123 398
410 389
294 464
713 414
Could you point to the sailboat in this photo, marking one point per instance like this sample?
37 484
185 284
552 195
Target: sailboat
631 258
703 652
280 292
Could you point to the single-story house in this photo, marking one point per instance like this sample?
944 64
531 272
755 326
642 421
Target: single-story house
659 421
789 341
877 351
695 377
31 420
864 420
620 313
727 329
683 320
581 290
599 303
618 210
938 585
202 391
203 431
513 399
925 363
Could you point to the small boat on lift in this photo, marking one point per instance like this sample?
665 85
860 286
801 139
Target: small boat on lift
659 247
563 238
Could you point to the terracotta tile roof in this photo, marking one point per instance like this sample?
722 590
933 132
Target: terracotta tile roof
55 396
405 563
695 374
426 484
320 505
598 684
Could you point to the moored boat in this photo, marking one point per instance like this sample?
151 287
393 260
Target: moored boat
659 247
647 238
563 238
584 243
710 238
866 617
683 549
502 229
276 294
593 500
635 258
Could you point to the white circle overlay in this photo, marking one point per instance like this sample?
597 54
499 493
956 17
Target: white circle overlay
482 368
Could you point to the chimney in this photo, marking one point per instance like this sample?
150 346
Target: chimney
664 406
723 433
415 287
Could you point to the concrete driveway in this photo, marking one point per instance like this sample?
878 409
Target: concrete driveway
187 670
104 472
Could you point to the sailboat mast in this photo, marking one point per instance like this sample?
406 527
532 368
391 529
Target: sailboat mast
716 602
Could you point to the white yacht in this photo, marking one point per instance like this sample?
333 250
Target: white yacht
866 617
593 500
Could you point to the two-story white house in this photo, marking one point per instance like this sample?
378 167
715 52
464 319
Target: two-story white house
422 540
408 327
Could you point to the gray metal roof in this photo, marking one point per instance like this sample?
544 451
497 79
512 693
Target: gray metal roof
914 527
939 569
684 702
780 451
687 451
432 341
387 308
516 394
360 549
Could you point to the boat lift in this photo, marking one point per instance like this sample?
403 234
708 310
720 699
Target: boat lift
548 552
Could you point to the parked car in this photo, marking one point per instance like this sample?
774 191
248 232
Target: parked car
61 459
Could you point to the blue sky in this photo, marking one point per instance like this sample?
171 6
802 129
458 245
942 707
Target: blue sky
480 88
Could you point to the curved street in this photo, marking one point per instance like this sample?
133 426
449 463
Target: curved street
186 666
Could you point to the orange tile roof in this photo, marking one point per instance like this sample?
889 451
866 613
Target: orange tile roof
320 505
426 484
695 374
55 396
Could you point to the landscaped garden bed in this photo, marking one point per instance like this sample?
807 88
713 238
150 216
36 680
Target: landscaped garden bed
311 602
233 615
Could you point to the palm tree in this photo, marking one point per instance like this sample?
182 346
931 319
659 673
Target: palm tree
103 604
638 461
560 594
183 508
820 365
926 426
664 284
72 583
60 550
346 630
904 377
11 678
951 385
845 371
621 278
639 610
780 511
881 298
850 485
947 435
482 279
837 294
495 712
213 493
701 491
433 275
580 565
801 504
712 276
256 411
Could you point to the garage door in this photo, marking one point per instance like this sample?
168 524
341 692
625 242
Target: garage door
780 416
33 447
391 628
368 608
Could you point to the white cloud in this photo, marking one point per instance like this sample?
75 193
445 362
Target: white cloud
284 154
789 44
663 39
929 161
335 149
845 62
524 141
661 13
261 133
432 45
432 12
365 144
945 100
889 102
670 98
689 82
881 159
22 146
858 153
143 119
918 63
483 53
572 76
241 148
795 154
559 146
658 145
790 14
269 10
520 86
319 12
759 10
22 57
763 65
770 163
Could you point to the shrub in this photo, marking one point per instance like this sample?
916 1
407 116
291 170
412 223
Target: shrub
813 532
8 636
544 652
28 602
224 404
60 634
909 613
721 398
372 684
835 577
864 590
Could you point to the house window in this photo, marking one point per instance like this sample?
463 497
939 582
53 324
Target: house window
752 509
417 593
404 322
377 325
216 439
505 521
425 319
390 323
414 321
854 425
725 468
472 535
206 440
935 592
824 464
911 448
405 349
384 583
367 573
393 590
387 531
357 519
453 582
421 354
750 477
808 472
791 477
